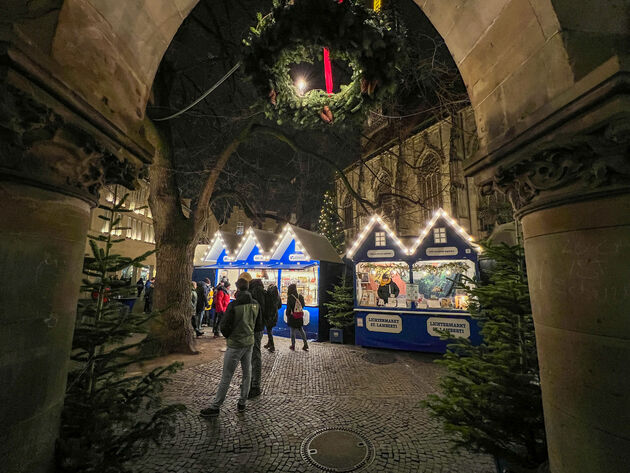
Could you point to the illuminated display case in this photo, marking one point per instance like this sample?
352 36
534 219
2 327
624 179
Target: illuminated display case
382 284
306 281
295 256
405 296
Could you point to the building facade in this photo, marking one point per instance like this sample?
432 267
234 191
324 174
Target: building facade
406 180
139 233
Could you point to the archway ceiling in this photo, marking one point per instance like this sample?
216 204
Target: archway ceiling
518 59
111 49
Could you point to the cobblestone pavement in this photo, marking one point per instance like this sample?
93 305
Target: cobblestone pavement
373 392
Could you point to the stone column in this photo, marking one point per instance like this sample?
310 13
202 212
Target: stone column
55 155
42 239
573 198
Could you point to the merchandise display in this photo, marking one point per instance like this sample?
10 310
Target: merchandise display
295 256
408 298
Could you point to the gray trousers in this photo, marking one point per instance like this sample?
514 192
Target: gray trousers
231 360
302 333
256 361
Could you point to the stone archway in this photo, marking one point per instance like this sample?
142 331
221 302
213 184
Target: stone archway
549 87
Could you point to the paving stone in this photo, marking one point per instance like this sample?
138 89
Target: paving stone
330 386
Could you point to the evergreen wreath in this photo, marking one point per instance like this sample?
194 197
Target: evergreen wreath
296 32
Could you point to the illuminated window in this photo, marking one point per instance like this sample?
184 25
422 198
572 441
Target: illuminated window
380 239
240 228
439 235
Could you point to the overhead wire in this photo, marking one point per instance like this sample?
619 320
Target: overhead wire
203 96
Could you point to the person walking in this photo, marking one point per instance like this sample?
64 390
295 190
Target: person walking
193 304
270 313
201 306
257 290
238 327
148 295
295 315
222 299
140 286
207 316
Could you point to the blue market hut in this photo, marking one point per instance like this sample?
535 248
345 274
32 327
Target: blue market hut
405 295
295 256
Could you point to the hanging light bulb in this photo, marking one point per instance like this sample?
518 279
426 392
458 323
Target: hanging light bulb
300 85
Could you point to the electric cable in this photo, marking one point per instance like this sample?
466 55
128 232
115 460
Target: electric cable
203 96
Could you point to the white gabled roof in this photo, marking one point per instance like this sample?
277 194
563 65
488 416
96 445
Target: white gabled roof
374 220
441 213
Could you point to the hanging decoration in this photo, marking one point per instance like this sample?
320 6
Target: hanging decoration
454 267
297 32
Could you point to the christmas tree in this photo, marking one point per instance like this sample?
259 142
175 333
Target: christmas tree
491 399
110 417
329 223
340 311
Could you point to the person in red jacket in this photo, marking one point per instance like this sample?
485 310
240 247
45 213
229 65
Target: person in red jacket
221 301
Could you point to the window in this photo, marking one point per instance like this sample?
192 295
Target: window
380 239
384 198
437 282
306 281
240 228
429 184
348 217
382 284
439 235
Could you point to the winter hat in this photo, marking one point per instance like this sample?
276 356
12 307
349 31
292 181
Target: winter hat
246 276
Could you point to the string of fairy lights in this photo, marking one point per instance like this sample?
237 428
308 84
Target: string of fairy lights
377 219
250 234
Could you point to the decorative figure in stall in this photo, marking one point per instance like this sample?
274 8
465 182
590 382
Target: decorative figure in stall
387 289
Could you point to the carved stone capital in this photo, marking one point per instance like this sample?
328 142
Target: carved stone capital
53 140
579 167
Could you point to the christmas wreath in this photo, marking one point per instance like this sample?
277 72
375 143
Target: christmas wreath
296 32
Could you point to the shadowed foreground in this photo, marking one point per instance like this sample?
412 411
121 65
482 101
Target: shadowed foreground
373 393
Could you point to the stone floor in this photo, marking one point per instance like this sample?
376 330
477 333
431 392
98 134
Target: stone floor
375 393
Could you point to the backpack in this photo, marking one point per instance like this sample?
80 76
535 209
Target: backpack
298 310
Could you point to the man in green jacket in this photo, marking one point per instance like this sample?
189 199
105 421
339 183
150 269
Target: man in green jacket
238 328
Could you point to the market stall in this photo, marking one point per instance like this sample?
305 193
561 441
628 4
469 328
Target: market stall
295 256
405 295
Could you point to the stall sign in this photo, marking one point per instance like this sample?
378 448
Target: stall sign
259 257
383 323
442 251
380 253
459 328
297 257
229 258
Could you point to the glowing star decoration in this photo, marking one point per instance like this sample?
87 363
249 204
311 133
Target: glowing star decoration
441 213
376 219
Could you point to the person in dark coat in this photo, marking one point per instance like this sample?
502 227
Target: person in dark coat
148 296
238 327
202 300
387 288
296 324
257 290
272 304
140 286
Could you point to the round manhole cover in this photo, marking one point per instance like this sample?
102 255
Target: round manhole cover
337 450
379 358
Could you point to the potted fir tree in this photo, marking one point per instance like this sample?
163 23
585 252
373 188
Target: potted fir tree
340 313
109 417
491 398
